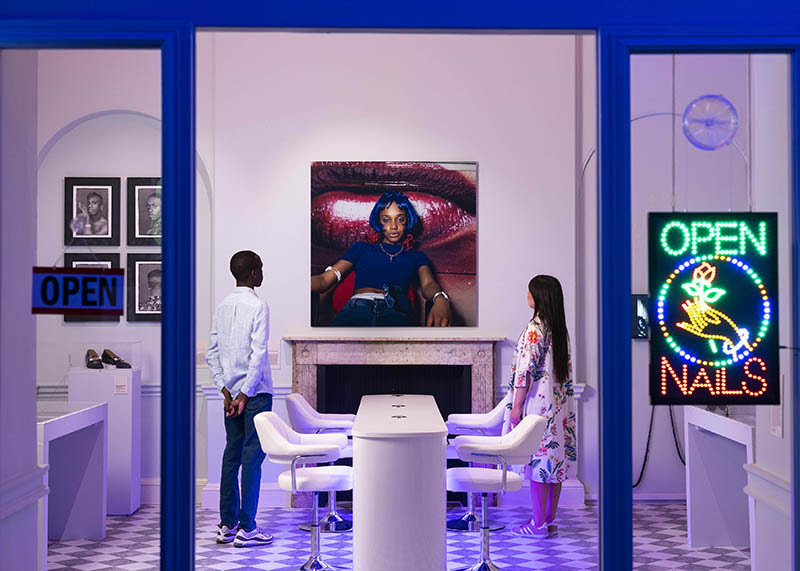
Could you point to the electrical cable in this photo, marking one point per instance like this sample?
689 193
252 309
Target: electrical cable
675 436
646 447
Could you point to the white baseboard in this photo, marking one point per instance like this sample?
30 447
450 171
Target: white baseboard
572 494
151 491
648 498
269 496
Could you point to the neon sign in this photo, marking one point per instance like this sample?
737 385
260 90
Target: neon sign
713 284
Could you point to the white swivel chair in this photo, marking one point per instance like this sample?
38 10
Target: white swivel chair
285 446
484 424
515 447
306 420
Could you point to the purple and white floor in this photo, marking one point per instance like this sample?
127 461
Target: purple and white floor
132 543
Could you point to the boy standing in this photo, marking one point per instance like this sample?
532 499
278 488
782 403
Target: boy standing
237 358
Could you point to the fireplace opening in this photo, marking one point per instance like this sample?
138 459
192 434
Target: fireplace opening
340 387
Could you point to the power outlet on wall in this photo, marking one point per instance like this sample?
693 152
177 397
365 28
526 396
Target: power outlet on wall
776 416
274 359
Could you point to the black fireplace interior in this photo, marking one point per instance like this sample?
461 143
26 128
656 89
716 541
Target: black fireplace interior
340 387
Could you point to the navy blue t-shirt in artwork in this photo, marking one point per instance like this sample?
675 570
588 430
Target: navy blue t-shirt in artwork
382 264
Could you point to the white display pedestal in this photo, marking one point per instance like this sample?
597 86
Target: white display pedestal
718 511
71 439
121 389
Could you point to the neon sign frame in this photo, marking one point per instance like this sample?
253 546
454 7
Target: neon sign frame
713 283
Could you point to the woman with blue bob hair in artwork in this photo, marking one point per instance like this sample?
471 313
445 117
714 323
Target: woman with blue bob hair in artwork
384 270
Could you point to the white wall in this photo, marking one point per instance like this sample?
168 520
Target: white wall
98 115
769 483
22 483
271 103
669 173
284 100
279 101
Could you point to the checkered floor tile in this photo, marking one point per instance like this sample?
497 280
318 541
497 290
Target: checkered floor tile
132 543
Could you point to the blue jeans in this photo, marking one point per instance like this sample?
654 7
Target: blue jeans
242 448
368 312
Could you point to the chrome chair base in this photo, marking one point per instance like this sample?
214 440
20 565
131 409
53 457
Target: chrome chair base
482 566
331 523
469 522
316 564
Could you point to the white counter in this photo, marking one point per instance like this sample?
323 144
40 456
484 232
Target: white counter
71 439
399 488
718 512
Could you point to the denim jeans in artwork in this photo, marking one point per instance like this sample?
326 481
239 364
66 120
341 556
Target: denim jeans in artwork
368 312
242 448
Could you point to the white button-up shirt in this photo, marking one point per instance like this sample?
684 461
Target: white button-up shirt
237 351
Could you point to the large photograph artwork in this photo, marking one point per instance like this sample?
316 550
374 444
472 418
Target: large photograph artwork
401 236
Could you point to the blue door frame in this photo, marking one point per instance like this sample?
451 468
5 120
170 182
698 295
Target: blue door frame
176 42
615 46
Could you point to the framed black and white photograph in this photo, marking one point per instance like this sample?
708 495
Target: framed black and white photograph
91 211
90 260
144 211
640 318
144 287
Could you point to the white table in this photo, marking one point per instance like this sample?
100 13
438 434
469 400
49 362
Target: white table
399 484
71 439
122 390
718 511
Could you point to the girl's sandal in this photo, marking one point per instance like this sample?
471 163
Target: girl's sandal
530 530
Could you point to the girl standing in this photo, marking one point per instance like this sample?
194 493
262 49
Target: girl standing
541 383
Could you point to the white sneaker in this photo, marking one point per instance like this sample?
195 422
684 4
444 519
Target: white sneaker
225 534
251 538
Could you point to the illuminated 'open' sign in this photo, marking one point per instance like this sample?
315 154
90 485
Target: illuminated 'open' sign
714 308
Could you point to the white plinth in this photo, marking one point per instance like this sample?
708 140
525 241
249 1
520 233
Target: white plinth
121 389
399 487
71 440
718 511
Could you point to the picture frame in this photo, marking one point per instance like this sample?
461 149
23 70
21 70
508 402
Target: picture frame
144 211
640 316
144 287
443 197
91 211
90 260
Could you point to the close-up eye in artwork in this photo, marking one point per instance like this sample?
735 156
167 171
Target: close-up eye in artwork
399 236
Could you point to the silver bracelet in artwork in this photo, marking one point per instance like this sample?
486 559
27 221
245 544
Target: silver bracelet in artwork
335 271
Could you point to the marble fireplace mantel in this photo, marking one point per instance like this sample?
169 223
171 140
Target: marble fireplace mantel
477 352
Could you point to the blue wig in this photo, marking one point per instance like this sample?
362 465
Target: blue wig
403 203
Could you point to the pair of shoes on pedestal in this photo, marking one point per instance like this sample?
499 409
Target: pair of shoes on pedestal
93 360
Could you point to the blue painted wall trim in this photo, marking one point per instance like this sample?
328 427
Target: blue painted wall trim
178 325
616 493
419 14
615 47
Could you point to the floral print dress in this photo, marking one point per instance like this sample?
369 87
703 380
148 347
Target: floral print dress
533 363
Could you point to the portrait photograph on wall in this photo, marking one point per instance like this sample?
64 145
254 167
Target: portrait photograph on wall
144 287
405 230
90 260
144 211
91 211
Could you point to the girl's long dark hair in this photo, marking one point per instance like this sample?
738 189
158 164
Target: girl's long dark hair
548 301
